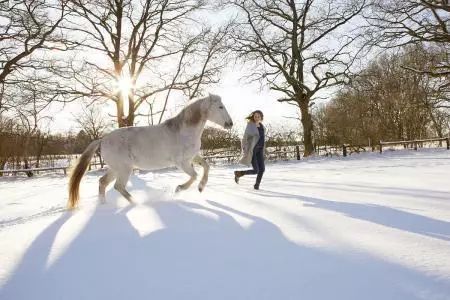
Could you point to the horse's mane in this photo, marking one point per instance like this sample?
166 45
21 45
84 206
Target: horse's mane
191 114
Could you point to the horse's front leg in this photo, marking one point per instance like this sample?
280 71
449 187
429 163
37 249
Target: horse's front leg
201 161
188 168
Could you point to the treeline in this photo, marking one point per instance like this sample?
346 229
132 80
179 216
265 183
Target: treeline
213 138
388 101
21 148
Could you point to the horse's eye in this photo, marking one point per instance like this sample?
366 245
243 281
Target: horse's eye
221 107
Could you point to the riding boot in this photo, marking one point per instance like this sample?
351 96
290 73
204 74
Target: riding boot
258 181
238 174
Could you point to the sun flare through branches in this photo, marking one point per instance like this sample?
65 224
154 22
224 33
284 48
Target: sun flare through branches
124 85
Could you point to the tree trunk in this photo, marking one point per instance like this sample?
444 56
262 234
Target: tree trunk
27 166
130 118
2 166
39 151
307 127
436 125
26 153
131 109
121 120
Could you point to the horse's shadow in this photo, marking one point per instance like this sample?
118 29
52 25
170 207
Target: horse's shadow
200 251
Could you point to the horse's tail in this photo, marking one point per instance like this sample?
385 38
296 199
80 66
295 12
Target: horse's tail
78 172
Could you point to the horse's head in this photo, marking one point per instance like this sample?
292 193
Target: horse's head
217 112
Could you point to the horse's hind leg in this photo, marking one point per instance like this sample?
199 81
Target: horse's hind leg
201 161
121 183
103 183
189 169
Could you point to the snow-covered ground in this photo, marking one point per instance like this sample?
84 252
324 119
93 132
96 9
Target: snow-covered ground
368 226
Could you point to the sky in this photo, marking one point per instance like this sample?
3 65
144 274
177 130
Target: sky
239 98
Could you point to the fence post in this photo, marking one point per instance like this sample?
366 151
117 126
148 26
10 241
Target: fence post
344 150
448 143
297 151
381 147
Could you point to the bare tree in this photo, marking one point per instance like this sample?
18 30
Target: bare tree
396 23
297 47
25 28
93 122
6 128
202 59
138 52
32 111
218 139
385 101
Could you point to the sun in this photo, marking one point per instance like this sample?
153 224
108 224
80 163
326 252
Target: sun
124 85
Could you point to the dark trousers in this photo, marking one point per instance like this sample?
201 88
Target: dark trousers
257 164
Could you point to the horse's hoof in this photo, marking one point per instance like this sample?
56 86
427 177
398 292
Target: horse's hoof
200 189
178 189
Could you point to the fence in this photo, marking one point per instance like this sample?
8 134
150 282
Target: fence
414 143
51 163
232 155
31 172
214 157
272 154
349 149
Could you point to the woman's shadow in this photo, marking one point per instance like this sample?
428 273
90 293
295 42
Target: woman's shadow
200 251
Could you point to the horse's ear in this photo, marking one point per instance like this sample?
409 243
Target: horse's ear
213 97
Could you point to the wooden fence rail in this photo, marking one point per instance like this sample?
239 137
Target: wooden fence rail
30 172
277 154
234 156
414 143
33 170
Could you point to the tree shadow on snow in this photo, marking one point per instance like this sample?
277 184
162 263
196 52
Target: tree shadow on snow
378 214
373 188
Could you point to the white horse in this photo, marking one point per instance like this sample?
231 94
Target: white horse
176 142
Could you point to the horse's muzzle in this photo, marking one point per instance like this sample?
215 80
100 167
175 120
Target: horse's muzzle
228 125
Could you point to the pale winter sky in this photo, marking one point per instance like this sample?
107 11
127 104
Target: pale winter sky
239 98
